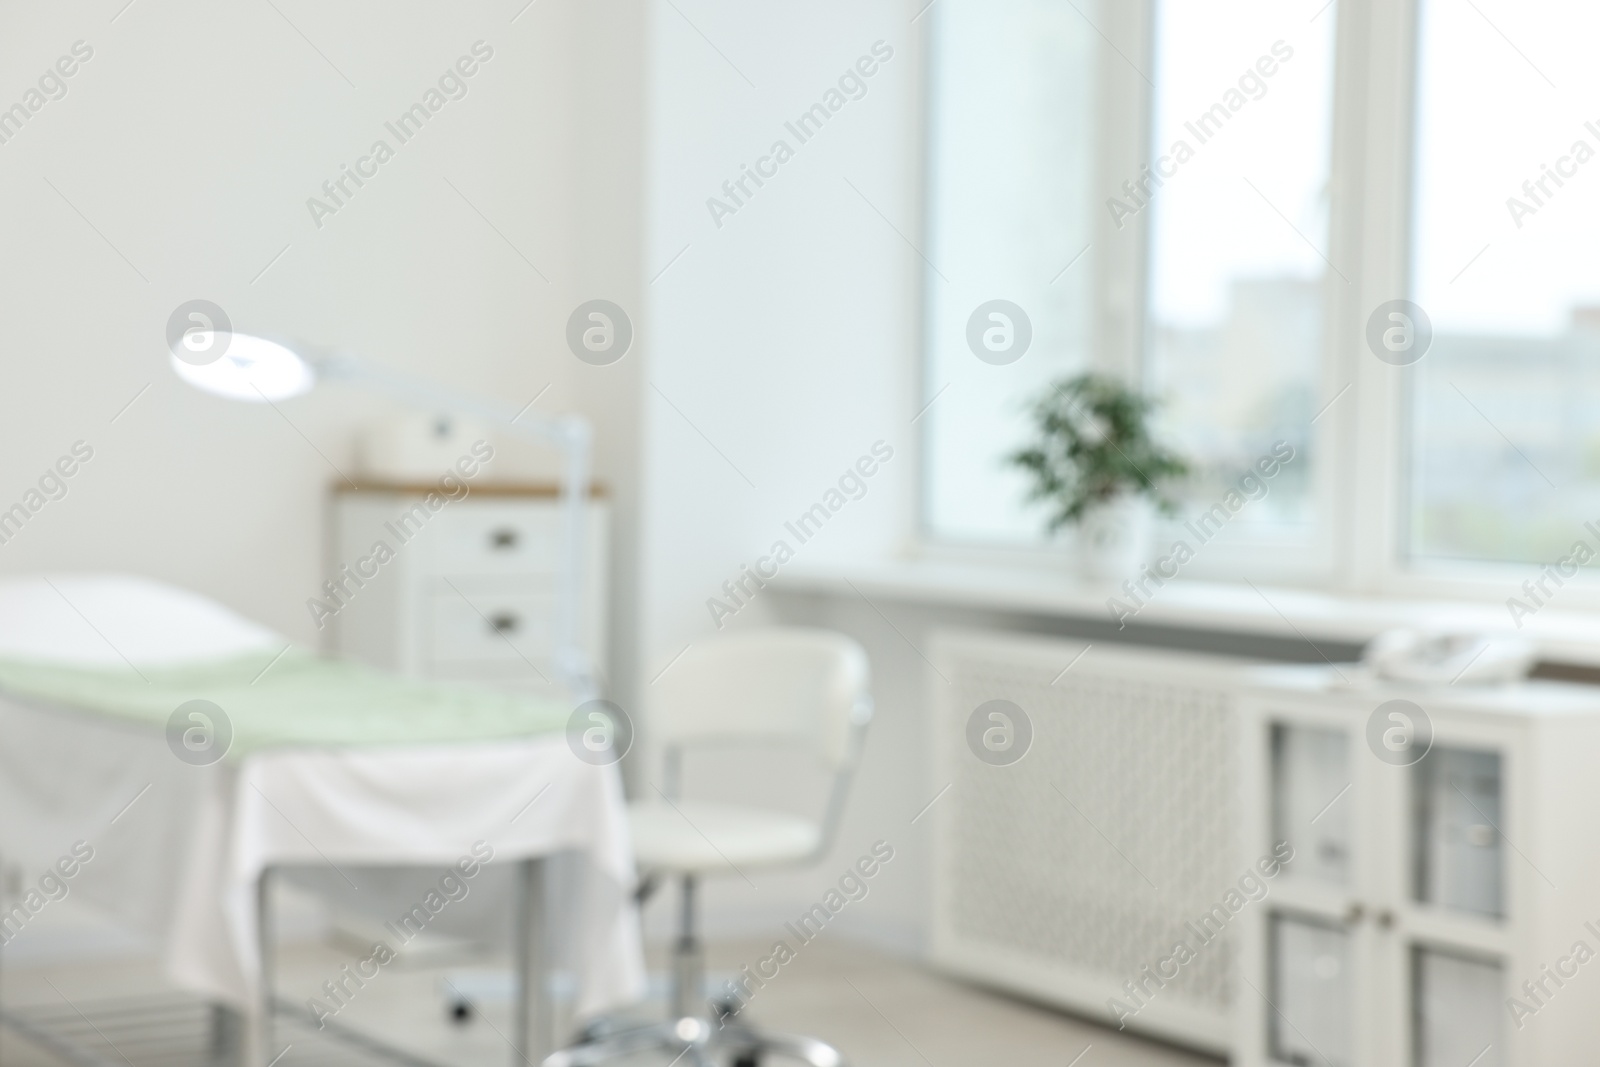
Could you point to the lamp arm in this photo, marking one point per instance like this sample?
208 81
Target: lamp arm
428 396
571 434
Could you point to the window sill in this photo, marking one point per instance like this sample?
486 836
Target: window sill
1560 636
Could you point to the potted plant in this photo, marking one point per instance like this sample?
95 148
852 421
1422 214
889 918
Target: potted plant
1095 462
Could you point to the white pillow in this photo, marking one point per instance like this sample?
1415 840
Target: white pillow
107 619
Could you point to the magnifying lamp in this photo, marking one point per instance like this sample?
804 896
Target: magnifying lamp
259 370
249 368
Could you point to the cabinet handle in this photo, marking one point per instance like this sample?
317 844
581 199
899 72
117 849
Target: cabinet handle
1354 913
503 539
503 623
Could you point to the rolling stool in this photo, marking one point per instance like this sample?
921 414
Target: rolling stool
801 688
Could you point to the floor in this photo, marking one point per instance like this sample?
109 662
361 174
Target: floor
879 1011
885 1012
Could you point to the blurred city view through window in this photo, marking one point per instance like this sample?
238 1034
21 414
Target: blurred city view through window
1500 453
1504 427
1238 244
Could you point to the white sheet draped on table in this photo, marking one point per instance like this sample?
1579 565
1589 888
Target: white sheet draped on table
178 849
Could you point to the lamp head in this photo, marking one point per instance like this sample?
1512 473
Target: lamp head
246 368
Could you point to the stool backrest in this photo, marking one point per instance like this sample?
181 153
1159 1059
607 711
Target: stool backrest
782 684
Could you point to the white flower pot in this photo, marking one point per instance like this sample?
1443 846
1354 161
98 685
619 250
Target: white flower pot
1114 539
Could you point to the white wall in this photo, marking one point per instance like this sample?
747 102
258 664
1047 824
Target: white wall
609 78
779 345
191 141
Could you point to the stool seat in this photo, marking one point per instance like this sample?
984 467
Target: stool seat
699 837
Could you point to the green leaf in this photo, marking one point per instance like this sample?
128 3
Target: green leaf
1093 443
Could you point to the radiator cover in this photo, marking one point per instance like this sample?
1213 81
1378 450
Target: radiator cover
1062 875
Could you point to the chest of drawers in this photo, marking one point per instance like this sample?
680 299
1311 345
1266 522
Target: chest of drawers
465 591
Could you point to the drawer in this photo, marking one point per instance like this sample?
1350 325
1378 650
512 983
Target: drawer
496 538
490 628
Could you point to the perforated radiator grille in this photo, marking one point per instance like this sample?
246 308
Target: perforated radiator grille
1092 852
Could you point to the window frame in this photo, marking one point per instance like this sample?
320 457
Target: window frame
1362 436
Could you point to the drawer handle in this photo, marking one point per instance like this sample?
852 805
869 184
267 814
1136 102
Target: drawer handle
503 623
503 540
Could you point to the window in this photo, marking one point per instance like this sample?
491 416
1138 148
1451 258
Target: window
1010 206
1379 254
1228 256
1505 431
1238 267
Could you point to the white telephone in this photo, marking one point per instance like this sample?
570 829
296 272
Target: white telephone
1438 658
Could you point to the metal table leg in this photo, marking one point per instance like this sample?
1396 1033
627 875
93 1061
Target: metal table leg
533 1035
262 1043
227 1036
4 899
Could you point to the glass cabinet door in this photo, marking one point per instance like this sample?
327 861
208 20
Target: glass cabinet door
1456 1009
1310 978
1310 777
1458 861
1387 940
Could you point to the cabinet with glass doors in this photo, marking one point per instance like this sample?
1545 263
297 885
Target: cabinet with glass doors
1443 905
